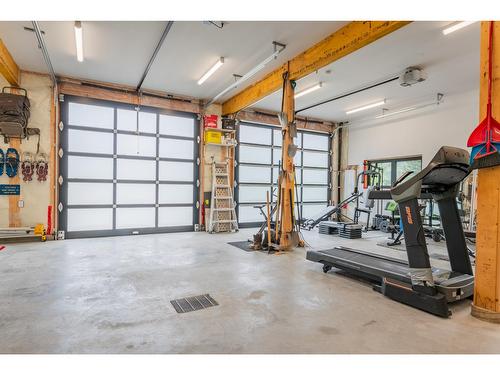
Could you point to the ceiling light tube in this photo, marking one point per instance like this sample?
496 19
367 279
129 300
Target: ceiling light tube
457 26
408 109
79 40
365 107
249 75
211 71
309 90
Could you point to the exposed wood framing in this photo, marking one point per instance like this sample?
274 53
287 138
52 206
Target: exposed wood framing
348 39
272 119
487 276
115 94
8 67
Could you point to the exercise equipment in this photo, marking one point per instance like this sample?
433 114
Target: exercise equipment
11 162
414 282
328 211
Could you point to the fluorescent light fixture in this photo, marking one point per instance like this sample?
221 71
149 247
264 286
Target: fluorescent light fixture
250 74
457 26
309 90
211 71
407 109
365 107
79 40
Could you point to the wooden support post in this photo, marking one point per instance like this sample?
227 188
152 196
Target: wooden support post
287 237
8 67
486 304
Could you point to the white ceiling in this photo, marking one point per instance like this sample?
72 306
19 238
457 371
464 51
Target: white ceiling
118 52
451 62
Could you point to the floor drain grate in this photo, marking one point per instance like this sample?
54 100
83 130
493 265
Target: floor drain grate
184 305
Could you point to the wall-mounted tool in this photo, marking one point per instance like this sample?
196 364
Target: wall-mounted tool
42 167
27 166
14 113
11 162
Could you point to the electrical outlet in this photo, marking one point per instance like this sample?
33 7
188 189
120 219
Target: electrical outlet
20 203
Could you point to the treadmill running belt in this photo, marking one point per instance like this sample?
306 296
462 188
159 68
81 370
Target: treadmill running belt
371 266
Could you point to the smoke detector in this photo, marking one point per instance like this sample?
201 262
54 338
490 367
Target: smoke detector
411 76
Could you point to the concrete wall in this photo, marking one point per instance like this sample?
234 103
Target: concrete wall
35 195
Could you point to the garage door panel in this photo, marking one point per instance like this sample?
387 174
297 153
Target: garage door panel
90 219
176 171
176 194
135 217
254 155
175 216
249 214
88 193
176 148
134 169
135 193
254 134
177 126
316 176
91 116
135 145
249 173
90 142
90 167
255 194
127 120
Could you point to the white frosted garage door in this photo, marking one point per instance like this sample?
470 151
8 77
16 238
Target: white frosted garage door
126 171
258 158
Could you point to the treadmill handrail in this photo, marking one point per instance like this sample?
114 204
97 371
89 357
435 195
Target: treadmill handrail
447 156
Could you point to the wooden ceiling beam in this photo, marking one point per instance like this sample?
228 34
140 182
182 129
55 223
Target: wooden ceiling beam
8 67
341 43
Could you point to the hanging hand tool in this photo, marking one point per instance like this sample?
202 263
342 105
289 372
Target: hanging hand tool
485 139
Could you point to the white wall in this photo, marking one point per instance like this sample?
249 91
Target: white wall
36 195
421 132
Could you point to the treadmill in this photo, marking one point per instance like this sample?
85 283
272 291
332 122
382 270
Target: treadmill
415 282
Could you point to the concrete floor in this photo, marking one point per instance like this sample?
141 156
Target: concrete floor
111 295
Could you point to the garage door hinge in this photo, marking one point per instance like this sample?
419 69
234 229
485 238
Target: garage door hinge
61 126
197 183
60 207
60 153
198 139
197 161
197 204
60 180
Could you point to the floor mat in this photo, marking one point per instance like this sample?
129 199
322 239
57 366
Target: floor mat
242 245
245 245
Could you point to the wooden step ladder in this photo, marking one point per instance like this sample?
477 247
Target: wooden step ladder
222 211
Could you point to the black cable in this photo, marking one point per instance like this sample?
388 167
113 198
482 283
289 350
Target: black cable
348 94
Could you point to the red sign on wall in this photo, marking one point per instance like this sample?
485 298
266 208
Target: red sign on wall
210 121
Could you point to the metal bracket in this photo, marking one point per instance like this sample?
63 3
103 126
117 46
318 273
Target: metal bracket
61 98
61 126
278 47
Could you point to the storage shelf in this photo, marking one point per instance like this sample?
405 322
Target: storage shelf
220 130
219 144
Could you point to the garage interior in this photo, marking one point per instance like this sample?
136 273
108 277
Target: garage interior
321 187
